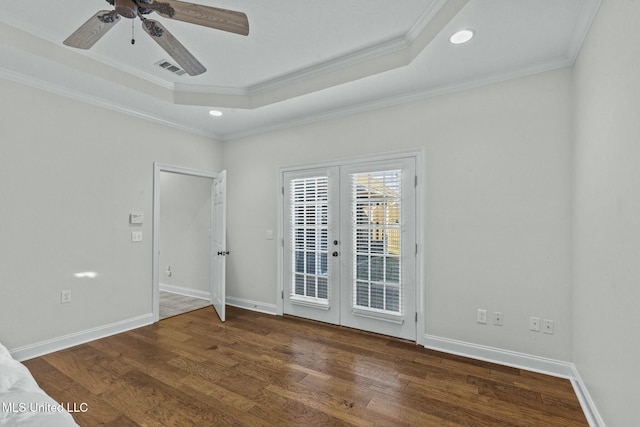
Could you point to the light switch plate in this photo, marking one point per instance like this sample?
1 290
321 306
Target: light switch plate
136 218
481 316
136 236
65 296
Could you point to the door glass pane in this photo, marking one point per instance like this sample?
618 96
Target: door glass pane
376 220
310 236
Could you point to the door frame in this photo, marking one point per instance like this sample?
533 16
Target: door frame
157 169
420 194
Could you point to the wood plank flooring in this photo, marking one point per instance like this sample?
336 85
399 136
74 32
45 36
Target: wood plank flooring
262 370
172 304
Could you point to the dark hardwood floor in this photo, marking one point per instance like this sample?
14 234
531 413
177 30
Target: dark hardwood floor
262 370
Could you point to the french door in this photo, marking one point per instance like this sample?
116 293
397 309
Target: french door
349 245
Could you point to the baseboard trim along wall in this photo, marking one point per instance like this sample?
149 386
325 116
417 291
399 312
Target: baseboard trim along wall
527 362
185 291
252 305
60 343
588 406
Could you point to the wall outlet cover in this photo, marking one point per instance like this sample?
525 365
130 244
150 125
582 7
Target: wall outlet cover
534 324
497 318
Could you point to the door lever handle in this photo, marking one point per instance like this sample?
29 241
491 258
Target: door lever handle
223 253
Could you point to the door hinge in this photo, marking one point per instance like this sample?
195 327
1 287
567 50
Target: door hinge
282 294
282 190
416 249
416 317
415 183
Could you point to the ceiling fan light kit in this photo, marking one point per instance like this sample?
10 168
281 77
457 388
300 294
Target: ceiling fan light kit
221 19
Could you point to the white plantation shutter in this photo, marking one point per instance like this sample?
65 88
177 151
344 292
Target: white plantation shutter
376 227
310 237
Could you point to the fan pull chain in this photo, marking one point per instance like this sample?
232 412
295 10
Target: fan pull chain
133 39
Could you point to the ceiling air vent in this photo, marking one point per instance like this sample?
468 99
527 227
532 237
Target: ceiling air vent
163 63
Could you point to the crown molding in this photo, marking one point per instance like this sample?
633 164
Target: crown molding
583 26
391 54
401 98
47 86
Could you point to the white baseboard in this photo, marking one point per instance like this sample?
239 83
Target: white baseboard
60 343
588 406
185 291
252 305
542 365
527 362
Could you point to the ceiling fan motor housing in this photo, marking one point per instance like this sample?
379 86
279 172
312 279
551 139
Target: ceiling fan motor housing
126 8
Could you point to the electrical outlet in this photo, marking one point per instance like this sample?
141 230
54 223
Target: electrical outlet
481 316
547 326
65 297
534 324
497 318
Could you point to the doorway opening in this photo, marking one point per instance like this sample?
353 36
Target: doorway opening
189 235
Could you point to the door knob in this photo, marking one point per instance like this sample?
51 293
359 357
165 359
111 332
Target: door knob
335 253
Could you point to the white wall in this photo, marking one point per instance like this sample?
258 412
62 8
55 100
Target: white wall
185 222
70 174
498 196
607 212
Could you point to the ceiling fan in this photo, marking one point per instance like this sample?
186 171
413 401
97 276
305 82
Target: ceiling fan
99 24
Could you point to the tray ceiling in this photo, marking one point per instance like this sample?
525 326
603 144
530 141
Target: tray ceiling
302 60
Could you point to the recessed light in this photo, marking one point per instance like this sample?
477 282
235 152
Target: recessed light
461 36
215 113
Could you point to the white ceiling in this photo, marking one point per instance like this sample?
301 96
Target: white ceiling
302 61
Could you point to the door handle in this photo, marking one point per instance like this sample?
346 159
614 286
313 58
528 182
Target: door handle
223 253
335 253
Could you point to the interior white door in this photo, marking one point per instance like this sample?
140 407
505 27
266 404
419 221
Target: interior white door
349 245
219 243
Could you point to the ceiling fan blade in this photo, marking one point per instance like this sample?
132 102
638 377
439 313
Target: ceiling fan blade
173 47
92 30
212 17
